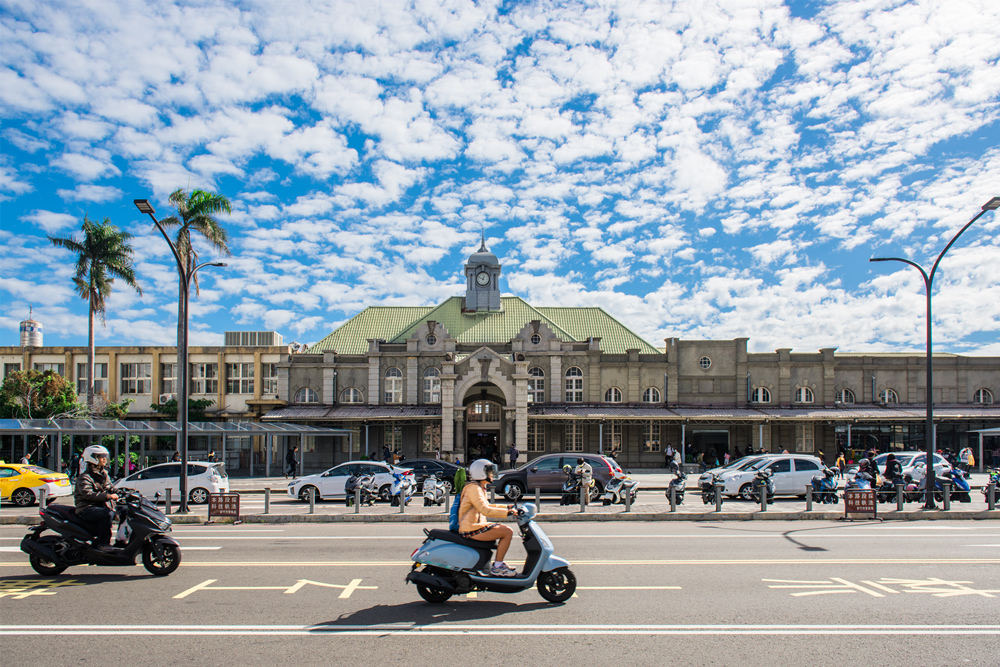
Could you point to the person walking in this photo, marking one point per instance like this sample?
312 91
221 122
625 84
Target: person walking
291 462
668 456
841 464
176 457
965 459
677 460
512 455
725 459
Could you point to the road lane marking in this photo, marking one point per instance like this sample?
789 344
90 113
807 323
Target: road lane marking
345 590
496 629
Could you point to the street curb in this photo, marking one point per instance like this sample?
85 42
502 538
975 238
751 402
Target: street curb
907 515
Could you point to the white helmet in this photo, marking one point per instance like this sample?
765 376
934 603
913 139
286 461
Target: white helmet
91 454
480 469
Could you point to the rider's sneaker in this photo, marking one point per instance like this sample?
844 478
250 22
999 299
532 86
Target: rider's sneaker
501 569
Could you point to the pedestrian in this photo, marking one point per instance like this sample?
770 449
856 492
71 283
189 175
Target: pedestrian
700 460
668 456
965 459
725 459
291 463
176 456
437 454
25 460
387 454
512 455
841 464
586 476
211 456
677 460
74 466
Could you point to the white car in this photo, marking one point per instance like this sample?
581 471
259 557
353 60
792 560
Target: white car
790 473
741 463
203 478
330 484
913 463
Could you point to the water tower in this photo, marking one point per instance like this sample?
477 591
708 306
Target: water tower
31 332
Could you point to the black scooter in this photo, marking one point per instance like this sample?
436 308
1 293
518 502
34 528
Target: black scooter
678 484
142 527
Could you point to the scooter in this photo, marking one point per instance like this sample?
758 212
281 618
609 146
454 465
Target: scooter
570 488
678 484
142 528
961 491
862 480
435 491
448 564
825 487
708 489
402 488
762 480
365 484
618 488
994 474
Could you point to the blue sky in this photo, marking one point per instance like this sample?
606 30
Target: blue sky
710 169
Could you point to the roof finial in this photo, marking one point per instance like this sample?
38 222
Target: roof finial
482 234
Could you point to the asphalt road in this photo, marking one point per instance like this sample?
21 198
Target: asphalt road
788 593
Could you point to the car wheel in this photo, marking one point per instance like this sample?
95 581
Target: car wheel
384 492
746 492
23 497
513 491
596 491
304 493
198 496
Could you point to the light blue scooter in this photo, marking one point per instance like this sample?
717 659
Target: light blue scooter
448 564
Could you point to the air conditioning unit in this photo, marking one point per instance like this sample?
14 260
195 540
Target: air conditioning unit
166 398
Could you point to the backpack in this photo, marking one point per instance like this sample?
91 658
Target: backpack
453 515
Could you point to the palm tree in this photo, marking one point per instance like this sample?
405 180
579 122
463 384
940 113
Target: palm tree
103 254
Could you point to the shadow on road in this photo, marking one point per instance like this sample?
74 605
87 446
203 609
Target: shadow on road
423 613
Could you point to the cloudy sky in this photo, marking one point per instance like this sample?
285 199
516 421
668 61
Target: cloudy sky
699 169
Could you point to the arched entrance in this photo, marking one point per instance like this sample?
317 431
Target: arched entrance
485 423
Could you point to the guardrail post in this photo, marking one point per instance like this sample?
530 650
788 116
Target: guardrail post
672 495
267 500
538 499
166 501
899 497
357 500
402 502
946 493
809 498
991 496
493 495
312 500
718 497
42 498
583 498
628 500
447 503
763 497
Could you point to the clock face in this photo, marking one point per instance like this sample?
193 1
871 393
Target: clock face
483 278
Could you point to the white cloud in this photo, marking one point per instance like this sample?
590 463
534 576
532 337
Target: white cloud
50 221
94 193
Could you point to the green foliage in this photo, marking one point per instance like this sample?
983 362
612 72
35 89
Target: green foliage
34 394
117 410
196 211
196 408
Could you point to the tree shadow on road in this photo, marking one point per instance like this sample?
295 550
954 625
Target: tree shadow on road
419 613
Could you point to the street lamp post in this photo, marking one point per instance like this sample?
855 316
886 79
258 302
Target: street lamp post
185 270
991 205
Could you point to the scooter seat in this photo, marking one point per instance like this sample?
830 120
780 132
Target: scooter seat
66 513
449 536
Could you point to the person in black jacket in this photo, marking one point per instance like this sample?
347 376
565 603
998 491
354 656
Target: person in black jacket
291 463
94 492
893 470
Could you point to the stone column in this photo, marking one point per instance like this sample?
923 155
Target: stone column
412 381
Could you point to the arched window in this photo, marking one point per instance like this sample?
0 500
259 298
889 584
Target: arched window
760 395
432 385
574 385
889 396
351 395
803 395
845 396
536 385
651 395
613 395
983 396
306 395
392 390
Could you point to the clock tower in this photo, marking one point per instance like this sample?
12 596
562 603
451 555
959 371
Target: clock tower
482 281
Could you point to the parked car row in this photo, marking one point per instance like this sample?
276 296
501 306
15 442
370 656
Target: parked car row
330 483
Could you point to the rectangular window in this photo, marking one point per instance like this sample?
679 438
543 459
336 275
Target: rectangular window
10 368
55 368
431 441
135 378
393 437
239 378
536 437
651 443
270 379
805 438
354 446
168 378
612 437
204 378
574 390
574 437
100 379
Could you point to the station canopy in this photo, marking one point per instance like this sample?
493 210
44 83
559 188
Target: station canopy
159 428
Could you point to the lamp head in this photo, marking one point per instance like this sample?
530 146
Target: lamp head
992 204
144 206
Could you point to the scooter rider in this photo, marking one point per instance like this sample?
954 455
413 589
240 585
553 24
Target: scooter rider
93 492
474 511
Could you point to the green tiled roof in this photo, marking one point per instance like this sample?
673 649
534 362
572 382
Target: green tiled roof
396 324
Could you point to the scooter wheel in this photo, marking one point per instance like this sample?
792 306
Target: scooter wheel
163 564
44 567
557 585
433 595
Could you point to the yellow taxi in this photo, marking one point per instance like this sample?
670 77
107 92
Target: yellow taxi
21 484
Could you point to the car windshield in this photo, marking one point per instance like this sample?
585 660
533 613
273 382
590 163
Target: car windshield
745 462
904 459
757 465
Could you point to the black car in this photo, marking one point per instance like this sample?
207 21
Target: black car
425 467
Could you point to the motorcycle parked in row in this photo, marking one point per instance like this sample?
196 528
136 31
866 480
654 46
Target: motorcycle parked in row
142 529
402 487
708 489
435 490
961 490
447 564
886 491
862 480
571 487
825 487
618 487
364 485
678 484
994 479
762 480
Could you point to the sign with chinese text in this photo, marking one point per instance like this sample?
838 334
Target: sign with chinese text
860 501
224 504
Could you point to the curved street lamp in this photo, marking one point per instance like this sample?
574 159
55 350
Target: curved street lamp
186 271
929 438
